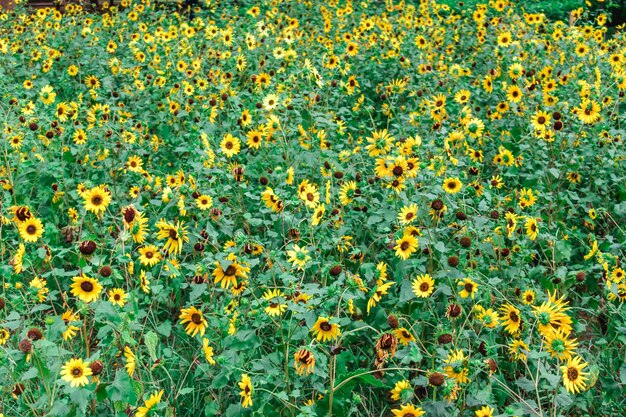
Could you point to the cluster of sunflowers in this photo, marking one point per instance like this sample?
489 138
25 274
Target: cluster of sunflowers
308 208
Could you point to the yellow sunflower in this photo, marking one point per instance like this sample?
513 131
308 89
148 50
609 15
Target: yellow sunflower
153 400
31 229
176 235
423 286
196 322
405 246
97 199
246 391
452 185
76 371
85 288
574 379
304 362
324 330
149 255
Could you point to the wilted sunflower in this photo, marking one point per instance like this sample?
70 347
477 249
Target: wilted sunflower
31 229
85 288
97 199
196 322
75 371
304 362
324 330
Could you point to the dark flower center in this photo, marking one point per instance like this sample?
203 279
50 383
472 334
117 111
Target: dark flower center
96 200
196 318
325 326
173 234
31 229
77 372
230 271
424 286
468 287
572 373
86 286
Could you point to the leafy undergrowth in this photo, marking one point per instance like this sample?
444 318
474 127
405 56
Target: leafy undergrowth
305 208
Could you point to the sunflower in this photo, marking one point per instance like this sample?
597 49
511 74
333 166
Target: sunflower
227 277
246 391
318 214
204 202
76 371
540 120
196 322
153 400
298 257
489 318
407 214
47 95
85 288
118 296
347 192
4 335
528 297
304 362
408 410
275 307
324 330
131 361
402 391
510 318
149 255
379 143
379 291
573 376
254 139
423 286
405 246
517 349
97 199
560 345
452 185
469 288
486 411
532 228
588 112
208 351
457 366
230 145
134 164
92 82
31 229
403 336
175 234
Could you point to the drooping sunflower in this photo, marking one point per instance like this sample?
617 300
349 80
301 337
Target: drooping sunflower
304 362
347 192
246 391
532 228
402 390
423 286
208 351
153 400
76 371
517 349
176 235
85 288
574 379
31 229
97 199
324 330
452 185
276 300
196 321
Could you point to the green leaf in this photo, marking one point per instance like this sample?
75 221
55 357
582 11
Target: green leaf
122 388
151 340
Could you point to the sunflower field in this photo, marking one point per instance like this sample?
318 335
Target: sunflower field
312 208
